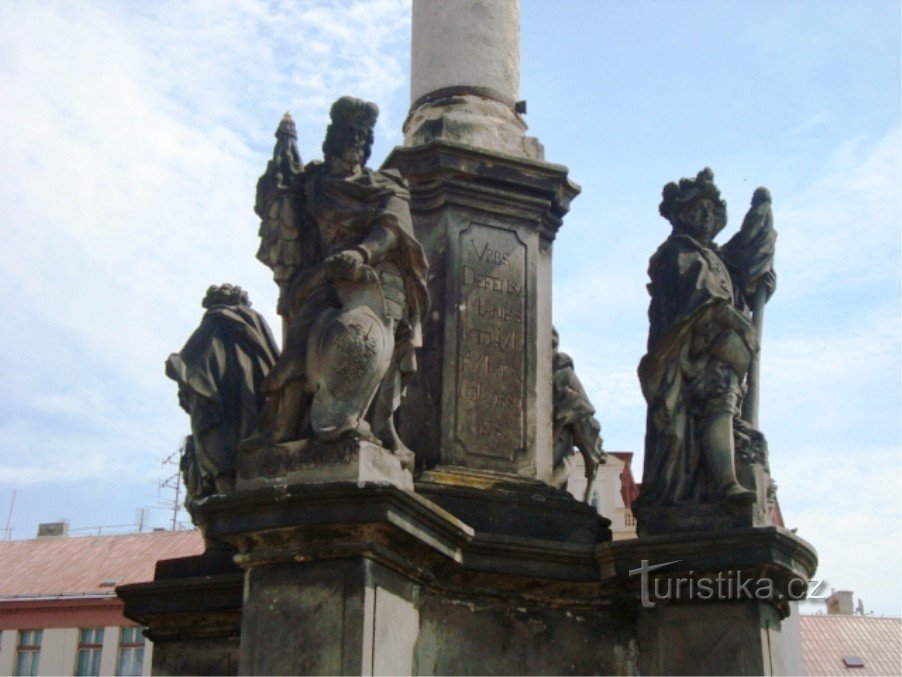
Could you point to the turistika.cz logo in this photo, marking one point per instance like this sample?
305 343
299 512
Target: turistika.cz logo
725 585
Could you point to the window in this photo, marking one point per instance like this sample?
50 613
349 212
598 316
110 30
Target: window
131 651
28 652
90 645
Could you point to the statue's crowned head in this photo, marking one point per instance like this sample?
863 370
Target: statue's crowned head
225 295
350 134
694 206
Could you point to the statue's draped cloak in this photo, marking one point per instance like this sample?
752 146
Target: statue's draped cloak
339 213
219 371
356 207
689 284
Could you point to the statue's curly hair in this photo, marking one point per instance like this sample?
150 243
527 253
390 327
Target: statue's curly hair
675 196
348 111
225 295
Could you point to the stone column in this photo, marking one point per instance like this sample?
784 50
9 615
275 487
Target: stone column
465 76
486 207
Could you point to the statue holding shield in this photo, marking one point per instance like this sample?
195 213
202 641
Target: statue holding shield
352 277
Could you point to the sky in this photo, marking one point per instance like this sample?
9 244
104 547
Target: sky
134 134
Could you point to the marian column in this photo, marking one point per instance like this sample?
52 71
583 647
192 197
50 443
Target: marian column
486 207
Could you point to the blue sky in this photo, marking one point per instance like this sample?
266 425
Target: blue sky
134 134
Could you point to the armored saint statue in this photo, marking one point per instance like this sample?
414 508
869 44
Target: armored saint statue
702 344
575 428
219 372
352 278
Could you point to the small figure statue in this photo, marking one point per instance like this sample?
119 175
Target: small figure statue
219 373
701 344
352 276
575 427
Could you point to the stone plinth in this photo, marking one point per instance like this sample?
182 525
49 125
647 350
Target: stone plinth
482 397
717 605
654 520
491 503
192 612
382 581
315 461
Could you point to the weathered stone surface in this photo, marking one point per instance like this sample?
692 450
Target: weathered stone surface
714 638
381 581
493 504
192 612
465 77
475 44
482 637
316 461
771 553
717 516
465 115
482 399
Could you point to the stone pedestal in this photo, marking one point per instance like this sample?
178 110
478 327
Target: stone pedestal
315 461
192 612
654 520
711 602
482 396
347 579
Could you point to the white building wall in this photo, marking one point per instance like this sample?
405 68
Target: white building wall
8 641
59 649
109 655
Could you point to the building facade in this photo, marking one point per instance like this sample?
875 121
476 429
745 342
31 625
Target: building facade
59 614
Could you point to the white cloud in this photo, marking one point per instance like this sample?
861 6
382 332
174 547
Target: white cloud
131 155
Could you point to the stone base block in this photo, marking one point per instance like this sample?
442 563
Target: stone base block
723 638
192 612
774 563
315 462
655 520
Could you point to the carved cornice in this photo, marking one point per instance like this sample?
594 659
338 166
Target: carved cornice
445 172
752 553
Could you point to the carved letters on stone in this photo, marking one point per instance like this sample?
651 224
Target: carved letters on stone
491 364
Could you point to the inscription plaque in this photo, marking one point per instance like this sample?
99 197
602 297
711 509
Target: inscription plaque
491 357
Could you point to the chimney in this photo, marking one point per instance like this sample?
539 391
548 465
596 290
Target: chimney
53 530
840 602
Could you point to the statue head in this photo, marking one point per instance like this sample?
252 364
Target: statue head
225 295
694 206
349 136
555 339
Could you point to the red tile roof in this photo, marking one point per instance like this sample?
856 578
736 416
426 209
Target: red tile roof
79 565
826 640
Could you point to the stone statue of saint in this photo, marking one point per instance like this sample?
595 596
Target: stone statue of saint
339 239
701 344
219 372
575 428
